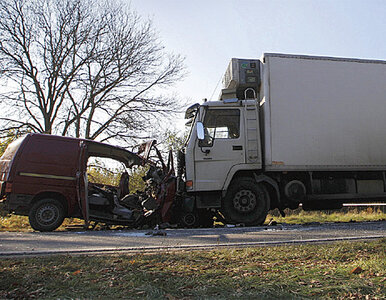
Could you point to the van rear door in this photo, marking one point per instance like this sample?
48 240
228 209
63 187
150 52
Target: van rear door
6 161
82 181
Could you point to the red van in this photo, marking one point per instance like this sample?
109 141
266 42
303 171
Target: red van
45 177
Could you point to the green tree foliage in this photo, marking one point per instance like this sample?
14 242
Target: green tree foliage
103 176
136 181
174 140
4 144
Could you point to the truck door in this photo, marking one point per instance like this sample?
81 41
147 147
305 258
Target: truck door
82 182
222 148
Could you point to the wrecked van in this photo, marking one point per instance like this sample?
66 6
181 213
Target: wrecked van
45 178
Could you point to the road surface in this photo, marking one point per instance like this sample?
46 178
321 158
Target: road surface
86 242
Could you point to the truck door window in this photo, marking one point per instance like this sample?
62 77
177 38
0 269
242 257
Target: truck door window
221 124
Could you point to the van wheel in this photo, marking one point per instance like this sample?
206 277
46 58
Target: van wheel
46 214
246 202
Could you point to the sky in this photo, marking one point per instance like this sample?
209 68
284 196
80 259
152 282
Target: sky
208 33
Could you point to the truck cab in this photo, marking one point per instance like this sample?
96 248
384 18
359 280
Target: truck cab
223 148
223 151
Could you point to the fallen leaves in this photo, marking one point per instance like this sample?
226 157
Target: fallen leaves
77 272
356 270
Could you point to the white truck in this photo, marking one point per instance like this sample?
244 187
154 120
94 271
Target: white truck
287 129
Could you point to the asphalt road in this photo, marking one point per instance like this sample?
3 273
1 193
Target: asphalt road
86 242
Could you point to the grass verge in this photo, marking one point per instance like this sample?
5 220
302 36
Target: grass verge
10 222
344 270
352 215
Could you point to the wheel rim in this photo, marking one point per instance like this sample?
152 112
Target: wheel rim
189 219
47 214
244 201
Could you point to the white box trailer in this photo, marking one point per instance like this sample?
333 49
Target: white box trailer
323 113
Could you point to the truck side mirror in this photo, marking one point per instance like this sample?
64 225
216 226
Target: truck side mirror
204 140
200 131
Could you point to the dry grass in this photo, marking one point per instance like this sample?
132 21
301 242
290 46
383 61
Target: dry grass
13 222
345 215
290 272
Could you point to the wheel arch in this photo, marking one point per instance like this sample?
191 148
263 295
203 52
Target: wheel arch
54 195
270 185
237 171
272 188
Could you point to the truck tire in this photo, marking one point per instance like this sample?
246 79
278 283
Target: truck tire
46 214
246 202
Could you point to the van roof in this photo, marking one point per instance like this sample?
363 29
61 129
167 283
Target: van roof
94 148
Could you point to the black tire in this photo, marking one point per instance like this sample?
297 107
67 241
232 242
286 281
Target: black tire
46 214
189 220
245 202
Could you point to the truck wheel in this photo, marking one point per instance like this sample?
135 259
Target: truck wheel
46 214
246 202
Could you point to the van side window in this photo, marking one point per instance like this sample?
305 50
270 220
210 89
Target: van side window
222 124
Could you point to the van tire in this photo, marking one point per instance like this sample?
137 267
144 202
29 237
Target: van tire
46 214
246 202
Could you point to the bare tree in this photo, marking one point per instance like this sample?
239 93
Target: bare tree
83 68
